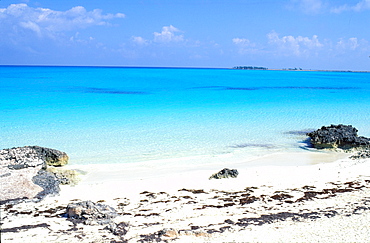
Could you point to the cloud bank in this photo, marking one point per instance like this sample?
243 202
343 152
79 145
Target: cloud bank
319 6
47 22
245 45
307 6
166 36
297 46
301 46
360 6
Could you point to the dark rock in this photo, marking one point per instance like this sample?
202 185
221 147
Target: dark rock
118 229
337 136
48 182
91 213
32 156
23 175
52 157
21 158
365 154
225 173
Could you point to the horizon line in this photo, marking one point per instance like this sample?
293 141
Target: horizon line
177 67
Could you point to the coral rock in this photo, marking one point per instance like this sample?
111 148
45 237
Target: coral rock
338 136
225 173
91 213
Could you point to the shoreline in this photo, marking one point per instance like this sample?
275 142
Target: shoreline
184 172
263 204
241 160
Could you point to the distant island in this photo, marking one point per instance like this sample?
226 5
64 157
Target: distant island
292 69
264 68
250 68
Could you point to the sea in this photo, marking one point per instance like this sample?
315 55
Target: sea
105 115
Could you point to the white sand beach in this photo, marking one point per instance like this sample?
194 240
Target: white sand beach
293 197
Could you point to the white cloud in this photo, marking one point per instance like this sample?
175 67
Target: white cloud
243 42
245 46
32 26
320 6
76 38
44 21
340 9
168 35
352 44
360 6
139 40
307 6
298 46
363 5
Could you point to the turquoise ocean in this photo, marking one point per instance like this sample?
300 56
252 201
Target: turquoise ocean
125 115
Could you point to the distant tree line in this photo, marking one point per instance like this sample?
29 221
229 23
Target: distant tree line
250 68
292 69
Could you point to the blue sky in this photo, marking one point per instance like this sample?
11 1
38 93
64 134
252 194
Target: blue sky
308 34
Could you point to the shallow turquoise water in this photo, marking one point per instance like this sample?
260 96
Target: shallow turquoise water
121 115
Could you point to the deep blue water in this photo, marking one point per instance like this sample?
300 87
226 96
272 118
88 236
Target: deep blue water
121 115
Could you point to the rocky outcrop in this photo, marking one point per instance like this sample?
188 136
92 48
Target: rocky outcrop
23 175
21 158
225 173
338 136
52 157
91 213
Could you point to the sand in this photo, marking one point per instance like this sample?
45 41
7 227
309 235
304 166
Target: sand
286 197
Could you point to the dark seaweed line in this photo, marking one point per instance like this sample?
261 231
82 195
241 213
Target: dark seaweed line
24 227
263 219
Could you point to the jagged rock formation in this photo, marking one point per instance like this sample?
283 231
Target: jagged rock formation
338 136
91 213
225 173
52 157
23 175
